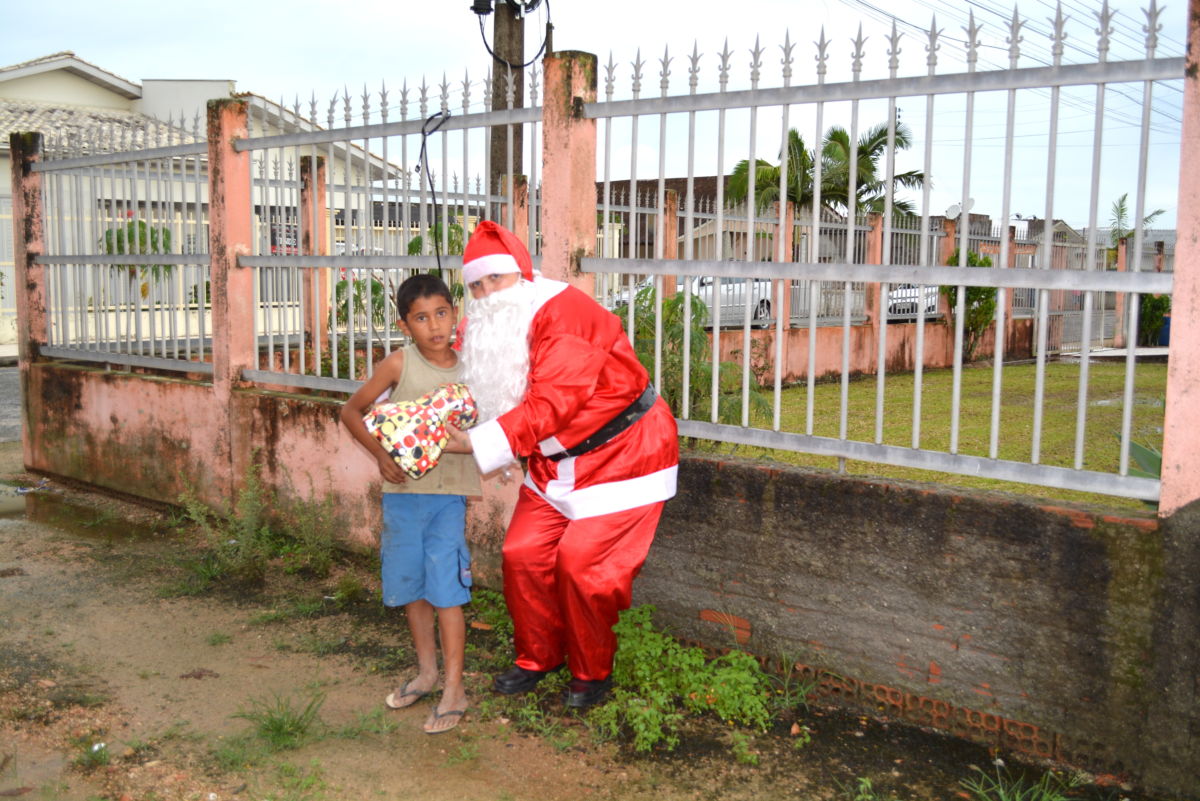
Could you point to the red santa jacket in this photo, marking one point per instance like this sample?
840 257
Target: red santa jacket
583 373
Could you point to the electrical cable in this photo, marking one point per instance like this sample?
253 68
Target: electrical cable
423 166
506 62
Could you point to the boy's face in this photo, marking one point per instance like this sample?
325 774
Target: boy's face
430 322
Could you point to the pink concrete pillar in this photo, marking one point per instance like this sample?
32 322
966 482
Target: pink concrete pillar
230 234
1122 299
29 242
314 241
872 300
945 252
1181 435
569 168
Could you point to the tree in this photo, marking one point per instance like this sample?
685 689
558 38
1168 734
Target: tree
137 238
980 305
870 184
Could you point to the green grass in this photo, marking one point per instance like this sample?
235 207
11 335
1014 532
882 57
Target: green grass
1057 446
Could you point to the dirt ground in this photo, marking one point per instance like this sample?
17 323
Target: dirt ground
113 686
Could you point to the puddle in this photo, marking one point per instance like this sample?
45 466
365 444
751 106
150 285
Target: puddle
44 504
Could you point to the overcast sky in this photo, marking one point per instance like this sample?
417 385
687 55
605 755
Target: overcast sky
301 47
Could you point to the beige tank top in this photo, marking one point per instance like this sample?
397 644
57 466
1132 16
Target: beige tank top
456 473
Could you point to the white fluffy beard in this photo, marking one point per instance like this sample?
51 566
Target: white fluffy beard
496 351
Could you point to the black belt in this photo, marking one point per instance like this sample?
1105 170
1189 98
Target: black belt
606 432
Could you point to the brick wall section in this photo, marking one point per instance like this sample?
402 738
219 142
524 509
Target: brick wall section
1046 628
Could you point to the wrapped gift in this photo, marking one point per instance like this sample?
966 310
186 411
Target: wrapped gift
414 432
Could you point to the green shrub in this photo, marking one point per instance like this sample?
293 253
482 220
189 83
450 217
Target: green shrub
980 305
657 681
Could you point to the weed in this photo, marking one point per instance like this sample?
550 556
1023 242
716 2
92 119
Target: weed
301 608
350 590
373 722
298 783
218 638
657 680
489 608
239 752
741 745
279 723
789 689
311 529
92 754
863 790
466 752
321 646
1007 787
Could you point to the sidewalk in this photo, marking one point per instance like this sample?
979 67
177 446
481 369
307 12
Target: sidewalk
1096 354
8 355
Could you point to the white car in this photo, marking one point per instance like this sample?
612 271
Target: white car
732 293
903 300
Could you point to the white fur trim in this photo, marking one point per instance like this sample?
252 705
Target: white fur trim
603 499
551 446
490 445
491 264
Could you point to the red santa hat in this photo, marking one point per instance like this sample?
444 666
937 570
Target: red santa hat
495 250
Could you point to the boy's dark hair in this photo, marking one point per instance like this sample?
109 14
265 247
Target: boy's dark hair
422 285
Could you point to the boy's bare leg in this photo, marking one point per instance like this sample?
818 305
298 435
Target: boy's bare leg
453 629
420 624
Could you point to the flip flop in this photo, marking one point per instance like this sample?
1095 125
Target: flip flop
453 713
397 700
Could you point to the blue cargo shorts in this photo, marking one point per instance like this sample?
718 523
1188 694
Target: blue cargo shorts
423 549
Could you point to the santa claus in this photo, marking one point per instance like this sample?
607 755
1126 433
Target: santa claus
557 381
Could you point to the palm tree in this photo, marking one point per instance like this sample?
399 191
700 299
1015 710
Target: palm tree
1120 219
870 186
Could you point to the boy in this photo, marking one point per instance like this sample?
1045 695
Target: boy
426 565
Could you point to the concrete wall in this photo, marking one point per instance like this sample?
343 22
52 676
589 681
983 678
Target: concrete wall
1053 630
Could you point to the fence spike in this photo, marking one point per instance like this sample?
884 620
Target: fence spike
932 47
487 92
694 68
366 104
637 74
445 96
466 94
312 108
510 91
972 43
534 85
332 106
424 102
609 77
1152 27
296 110
1104 16
723 70
822 57
383 101
1015 38
664 74
859 42
1058 35
755 63
404 100
894 49
787 59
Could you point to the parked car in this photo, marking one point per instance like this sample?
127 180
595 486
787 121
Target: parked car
732 295
903 300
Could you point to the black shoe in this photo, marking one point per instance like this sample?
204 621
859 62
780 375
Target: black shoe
582 693
519 680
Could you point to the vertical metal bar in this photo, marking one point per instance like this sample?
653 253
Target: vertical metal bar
689 246
715 285
851 219
1131 339
633 197
1014 41
964 234
1093 223
1039 389
660 222
751 207
881 321
814 240
782 311
927 253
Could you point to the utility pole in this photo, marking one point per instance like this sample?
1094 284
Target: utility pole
508 42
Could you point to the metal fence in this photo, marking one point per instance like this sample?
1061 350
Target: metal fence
127 267
389 197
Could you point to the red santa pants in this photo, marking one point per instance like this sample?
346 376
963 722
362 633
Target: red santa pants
565 581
